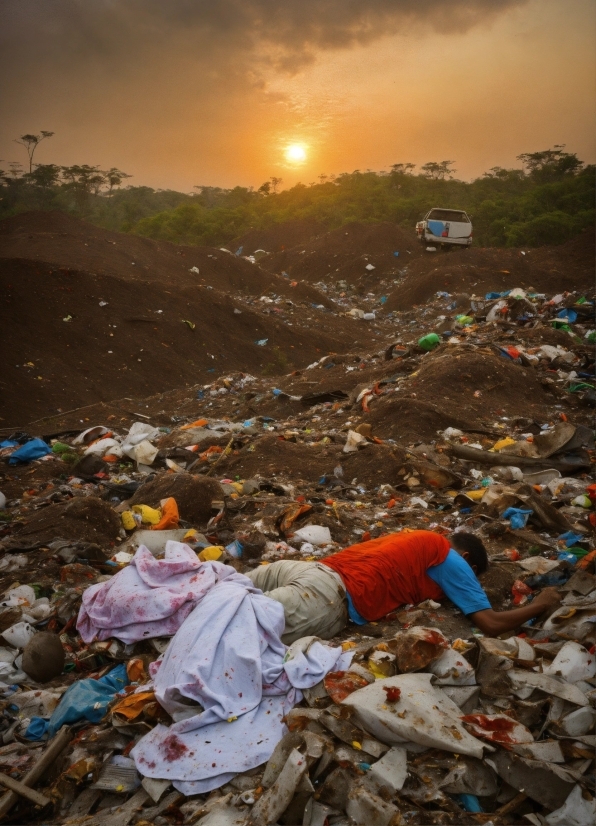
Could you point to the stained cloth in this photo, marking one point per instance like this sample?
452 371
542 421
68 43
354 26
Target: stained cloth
224 681
384 573
313 597
223 677
458 581
150 597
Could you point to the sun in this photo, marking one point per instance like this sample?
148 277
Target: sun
296 153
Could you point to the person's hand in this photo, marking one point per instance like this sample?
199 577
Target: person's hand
548 600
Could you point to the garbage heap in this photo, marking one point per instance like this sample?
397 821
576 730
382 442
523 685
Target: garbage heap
143 679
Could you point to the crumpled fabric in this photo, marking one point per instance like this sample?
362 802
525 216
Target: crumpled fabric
150 597
224 681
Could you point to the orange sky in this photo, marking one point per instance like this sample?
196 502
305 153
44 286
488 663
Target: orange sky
211 92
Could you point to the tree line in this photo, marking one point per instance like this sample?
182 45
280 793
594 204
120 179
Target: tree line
547 200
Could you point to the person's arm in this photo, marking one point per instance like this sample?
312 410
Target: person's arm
492 623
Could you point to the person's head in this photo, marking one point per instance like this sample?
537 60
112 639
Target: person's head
471 549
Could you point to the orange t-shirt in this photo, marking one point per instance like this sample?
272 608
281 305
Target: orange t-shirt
382 574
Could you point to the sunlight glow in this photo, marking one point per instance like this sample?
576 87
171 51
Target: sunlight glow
296 153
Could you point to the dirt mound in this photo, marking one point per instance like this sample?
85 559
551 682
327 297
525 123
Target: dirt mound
344 254
549 270
70 243
278 237
476 384
86 519
410 420
136 344
271 456
193 495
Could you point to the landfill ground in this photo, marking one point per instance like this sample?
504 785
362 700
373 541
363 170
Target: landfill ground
352 382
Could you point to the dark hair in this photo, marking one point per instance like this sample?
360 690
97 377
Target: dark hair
470 544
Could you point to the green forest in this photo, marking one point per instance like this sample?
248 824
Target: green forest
547 200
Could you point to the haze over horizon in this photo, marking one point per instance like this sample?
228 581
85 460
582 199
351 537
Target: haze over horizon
190 92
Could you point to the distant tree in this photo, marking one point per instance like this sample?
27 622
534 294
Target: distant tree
265 188
403 168
323 178
438 171
275 182
31 142
114 177
551 163
44 175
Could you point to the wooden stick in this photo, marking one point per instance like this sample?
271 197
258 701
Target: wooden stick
485 457
512 805
24 791
55 747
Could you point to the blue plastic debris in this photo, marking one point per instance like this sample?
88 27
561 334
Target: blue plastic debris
396 253
33 449
262 342
469 802
518 517
570 538
84 700
235 549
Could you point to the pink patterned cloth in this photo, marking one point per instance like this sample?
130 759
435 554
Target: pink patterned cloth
151 597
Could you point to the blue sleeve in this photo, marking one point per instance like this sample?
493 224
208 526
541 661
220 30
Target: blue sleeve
458 582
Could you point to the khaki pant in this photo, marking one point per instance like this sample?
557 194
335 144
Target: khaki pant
313 597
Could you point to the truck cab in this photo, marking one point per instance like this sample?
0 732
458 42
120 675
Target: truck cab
445 227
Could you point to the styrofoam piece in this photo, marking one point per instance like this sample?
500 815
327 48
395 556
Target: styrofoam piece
277 799
452 668
22 595
579 722
423 714
549 751
103 446
143 453
364 807
576 811
19 634
573 663
154 541
315 534
464 696
391 770
538 565
352 442
550 685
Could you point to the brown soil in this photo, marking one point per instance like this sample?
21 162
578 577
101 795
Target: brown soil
193 495
343 254
277 238
87 519
409 420
477 271
72 244
128 348
450 380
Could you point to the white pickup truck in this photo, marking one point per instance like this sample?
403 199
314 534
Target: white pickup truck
445 226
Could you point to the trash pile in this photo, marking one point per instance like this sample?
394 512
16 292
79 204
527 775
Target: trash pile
143 678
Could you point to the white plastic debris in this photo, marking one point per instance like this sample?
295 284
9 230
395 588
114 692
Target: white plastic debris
353 440
19 634
422 714
573 663
576 811
452 668
22 595
315 534
391 770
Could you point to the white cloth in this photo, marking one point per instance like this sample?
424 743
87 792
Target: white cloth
228 657
150 597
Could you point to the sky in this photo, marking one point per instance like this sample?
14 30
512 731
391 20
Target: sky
183 93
